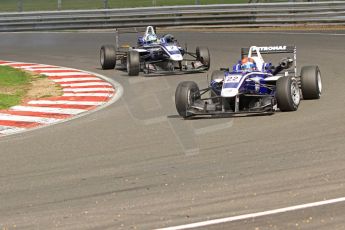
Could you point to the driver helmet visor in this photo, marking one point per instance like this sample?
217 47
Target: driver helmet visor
248 66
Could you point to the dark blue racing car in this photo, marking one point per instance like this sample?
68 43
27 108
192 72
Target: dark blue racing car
154 54
251 86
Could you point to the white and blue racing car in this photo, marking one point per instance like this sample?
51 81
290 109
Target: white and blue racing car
154 54
251 86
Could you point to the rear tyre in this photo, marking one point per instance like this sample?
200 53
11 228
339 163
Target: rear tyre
311 84
108 57
187 92
133 63
287 94
203 55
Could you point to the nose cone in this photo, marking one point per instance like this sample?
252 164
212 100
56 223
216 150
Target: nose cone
176 57
229 92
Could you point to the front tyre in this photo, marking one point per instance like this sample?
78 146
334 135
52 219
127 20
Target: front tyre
311 84
203 55
133 63
108 57
187 92
287 94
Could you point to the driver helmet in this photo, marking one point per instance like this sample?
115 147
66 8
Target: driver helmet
248 64
151 38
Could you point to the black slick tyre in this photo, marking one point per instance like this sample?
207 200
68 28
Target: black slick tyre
203 55
187 92
287 94
108 57
133 63
311 84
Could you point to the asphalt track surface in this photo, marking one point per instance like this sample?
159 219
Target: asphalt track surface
136 165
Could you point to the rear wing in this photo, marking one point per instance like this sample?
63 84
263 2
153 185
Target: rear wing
271 50
279 49
128 30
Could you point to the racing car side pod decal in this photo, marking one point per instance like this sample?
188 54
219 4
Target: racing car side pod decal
81 92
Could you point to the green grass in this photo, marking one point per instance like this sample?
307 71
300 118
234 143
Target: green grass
13 86
36 5
13 77
7 101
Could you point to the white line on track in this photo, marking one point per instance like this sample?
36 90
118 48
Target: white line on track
254 215
47 110
9 117
85 84
79 90
61 102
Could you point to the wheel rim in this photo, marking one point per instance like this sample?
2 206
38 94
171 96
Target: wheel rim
171 67
319 83
102 56
295 94
189 98
127 65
